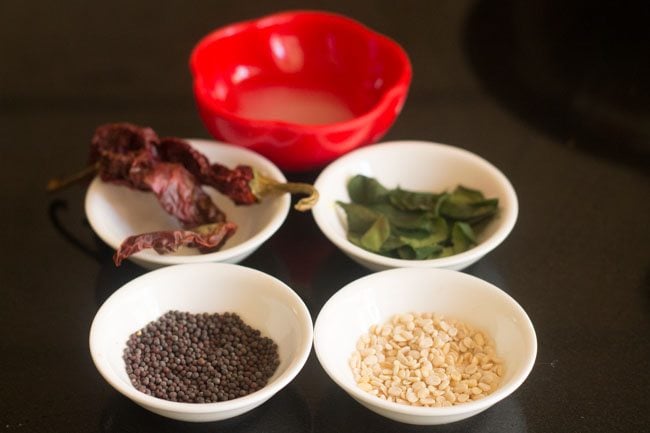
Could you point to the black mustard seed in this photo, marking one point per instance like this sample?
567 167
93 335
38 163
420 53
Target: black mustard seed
199 358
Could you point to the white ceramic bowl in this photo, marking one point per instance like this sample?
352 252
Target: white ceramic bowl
116 212
418 166
262 301
374 299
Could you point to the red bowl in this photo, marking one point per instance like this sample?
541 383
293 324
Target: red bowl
301 87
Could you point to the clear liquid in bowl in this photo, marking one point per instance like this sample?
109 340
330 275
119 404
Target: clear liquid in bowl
306 107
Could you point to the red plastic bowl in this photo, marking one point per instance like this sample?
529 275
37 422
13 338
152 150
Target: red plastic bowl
300 88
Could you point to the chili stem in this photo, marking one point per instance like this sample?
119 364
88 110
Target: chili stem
263 186
58 183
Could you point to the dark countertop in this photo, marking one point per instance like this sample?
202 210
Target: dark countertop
555 95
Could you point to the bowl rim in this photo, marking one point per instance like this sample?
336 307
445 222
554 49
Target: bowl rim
270 389
419 411
400 86
506 221
224 254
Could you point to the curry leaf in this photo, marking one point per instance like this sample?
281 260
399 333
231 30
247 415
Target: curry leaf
462 237
470 212
409 200
440 203
366 190
422 253
463 194
359 217
438 235
446 252
375 236
355 238
413 220
393 242
466 204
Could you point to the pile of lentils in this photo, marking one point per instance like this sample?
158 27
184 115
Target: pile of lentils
199 358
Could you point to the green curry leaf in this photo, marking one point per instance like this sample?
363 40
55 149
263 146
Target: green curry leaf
366 190
421 239
463 194
462 237
466 204
422 253
410 220
359 217
469 212
374 237
409 200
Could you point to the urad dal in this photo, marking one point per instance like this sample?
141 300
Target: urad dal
426 360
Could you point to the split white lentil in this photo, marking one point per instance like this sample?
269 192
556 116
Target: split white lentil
426 360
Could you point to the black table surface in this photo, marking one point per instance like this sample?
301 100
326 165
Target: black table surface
556 94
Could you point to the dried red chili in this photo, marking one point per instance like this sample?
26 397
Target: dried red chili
235 183
127 155
122 152
207 238
181 195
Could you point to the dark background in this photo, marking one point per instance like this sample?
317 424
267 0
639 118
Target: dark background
556 95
